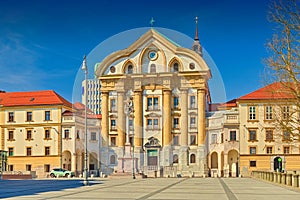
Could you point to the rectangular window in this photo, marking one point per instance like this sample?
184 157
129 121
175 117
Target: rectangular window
149 123
222 137
113 141
28 151
10 151
193 139
47 134
286 150
286 136
152 123
285 112
149 103
193 122
232 135
67 134
152 103
176 102
93 136
269 150
155 123
10 168
175 140
10 135
192 102
29 135
252 163
28 167
77 134
252 113
214 139
10 116
47 168
176 122
252 150
155 104
47 151
269 113
29 116
252 135
113 106
113 125
47 116
269 135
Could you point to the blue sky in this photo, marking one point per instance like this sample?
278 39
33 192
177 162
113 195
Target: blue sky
42 42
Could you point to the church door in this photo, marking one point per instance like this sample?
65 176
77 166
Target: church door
152 157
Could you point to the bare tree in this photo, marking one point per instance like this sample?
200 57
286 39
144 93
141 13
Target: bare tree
283 67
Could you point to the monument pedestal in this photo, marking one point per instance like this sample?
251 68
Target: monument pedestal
127 164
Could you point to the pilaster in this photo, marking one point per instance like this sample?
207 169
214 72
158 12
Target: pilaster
184 117
121 119
201 116
167 138
105 118
138 118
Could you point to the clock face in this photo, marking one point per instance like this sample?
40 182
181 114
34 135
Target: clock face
152 55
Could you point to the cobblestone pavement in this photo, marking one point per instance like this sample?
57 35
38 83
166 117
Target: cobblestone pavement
150 188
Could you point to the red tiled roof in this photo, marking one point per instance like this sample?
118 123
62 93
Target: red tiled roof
81 107
228 104
273 91
32 98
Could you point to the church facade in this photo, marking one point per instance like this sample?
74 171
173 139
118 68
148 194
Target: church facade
154 99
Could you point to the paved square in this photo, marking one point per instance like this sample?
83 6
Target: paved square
151 188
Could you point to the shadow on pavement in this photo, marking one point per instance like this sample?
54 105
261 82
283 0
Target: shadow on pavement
14 188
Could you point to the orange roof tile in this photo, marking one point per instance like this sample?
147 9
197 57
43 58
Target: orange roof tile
228 105
275 90
32 98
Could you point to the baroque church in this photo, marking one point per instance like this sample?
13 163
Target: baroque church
154 99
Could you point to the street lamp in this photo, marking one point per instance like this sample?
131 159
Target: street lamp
85 173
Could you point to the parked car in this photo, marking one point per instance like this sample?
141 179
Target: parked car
59 172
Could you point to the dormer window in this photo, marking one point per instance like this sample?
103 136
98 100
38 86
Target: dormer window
129 69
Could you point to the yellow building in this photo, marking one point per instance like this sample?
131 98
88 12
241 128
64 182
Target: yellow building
263 145
30 130
167 85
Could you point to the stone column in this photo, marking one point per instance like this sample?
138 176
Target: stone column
226 166
105 118
184 154
138 118
219 164
201 117
73 163
167 122
121 120
184 117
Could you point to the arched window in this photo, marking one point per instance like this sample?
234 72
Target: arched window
152 68
112 159
176 67
129 69
175 158
192 158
